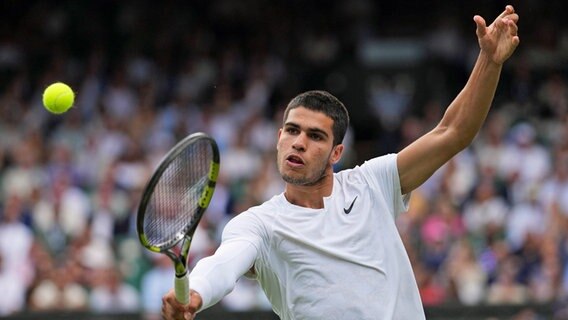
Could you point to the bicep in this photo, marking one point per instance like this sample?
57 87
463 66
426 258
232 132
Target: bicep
419 160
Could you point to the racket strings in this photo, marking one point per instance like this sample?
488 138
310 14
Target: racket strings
175 199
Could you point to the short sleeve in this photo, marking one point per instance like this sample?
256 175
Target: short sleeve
382 175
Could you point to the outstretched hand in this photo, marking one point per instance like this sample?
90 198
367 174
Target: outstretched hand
498 40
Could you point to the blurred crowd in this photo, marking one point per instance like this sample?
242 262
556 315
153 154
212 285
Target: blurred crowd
490 227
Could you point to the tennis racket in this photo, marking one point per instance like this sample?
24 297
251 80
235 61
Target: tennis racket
174 200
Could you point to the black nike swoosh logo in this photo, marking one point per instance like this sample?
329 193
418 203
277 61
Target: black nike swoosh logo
347 210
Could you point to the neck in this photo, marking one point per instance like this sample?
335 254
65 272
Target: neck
310 196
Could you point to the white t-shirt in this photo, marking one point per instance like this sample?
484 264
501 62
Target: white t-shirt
345 261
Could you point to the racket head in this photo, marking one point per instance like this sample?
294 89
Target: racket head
178 193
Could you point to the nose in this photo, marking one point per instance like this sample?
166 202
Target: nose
299 143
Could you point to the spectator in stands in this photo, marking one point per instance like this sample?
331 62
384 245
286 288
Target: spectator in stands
111 294
59 291
16 240
485 215
155 283
466 276
506 289
534 161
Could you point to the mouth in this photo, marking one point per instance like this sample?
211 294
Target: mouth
294 160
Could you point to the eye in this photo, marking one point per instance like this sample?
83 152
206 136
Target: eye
316 137
292 130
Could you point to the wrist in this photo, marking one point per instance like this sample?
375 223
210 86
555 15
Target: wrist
487 60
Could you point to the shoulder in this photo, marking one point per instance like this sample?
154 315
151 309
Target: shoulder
254 221
385 162
383 165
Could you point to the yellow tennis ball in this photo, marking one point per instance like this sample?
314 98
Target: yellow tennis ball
58 98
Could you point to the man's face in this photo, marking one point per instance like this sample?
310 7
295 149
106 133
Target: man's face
305 147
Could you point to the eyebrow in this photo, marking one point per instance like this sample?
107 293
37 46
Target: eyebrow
310 130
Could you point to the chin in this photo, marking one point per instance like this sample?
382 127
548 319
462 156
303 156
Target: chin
295 180
301 180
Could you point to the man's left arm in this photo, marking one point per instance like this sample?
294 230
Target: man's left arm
467 112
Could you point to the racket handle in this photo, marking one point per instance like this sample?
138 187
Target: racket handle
181 288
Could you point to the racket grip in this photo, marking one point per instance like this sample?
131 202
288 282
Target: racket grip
181 288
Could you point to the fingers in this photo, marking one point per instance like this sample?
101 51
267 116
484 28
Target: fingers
513 28
508 25
514 17
508 13
508 10
172 309
481 26
500 38
501 25
515 40
506 21
196 301
169 313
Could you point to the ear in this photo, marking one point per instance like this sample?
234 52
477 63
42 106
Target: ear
278 139
336 153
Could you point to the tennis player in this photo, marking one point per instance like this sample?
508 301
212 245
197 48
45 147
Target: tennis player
328 247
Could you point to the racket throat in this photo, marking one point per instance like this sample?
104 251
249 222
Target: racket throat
180 261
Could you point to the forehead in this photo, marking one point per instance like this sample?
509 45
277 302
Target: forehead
309 119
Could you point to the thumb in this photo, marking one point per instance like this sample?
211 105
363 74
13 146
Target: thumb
481 25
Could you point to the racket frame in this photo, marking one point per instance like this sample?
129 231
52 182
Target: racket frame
180 260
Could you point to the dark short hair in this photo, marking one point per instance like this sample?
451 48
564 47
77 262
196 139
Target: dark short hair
328 104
